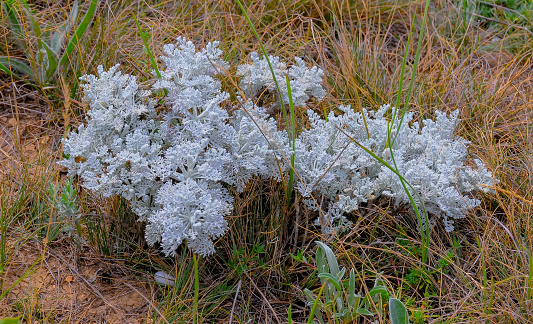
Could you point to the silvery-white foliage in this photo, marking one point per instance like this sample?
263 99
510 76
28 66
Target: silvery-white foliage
114 153
175 163
163 278
429 157
189 78
332 222
304 82
192 210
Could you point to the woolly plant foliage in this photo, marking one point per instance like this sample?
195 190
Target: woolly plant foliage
331 163
175 162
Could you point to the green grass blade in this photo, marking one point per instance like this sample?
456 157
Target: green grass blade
265 55
145 41
7 64
405 183
289 188
292 135
400 85
291 107
415 66
79 32
315 304
390 141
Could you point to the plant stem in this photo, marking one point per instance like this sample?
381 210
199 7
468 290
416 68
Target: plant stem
291 139
145 42
315 304
196 289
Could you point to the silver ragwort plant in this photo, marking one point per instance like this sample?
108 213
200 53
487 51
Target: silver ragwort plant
174 161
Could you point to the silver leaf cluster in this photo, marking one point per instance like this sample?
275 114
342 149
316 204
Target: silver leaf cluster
304 82
175 159
331 163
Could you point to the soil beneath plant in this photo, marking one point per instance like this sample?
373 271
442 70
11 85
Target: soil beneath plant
27 131
61 282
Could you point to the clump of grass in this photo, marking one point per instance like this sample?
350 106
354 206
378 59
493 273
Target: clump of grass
46 60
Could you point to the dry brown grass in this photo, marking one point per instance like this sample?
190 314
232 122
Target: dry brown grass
484 71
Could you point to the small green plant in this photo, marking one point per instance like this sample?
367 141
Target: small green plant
300 257
419 314
241 261
518 12
12 320
340 301
45 57
67 209
425 279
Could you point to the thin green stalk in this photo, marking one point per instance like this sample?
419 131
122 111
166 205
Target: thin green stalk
415 66
264 54
145 42
315 304
291 137
196 289
290 315
405 183
79 32
529 294
425 235
400 86
390 140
